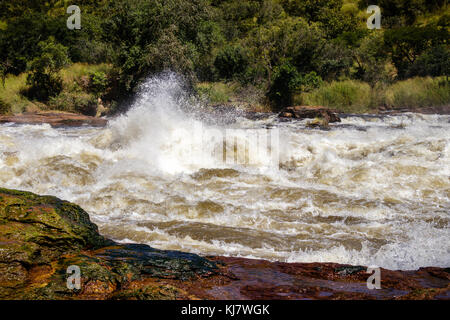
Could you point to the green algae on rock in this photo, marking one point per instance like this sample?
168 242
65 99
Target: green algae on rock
41 236
38 229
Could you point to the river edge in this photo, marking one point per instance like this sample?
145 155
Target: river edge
42 236
67 119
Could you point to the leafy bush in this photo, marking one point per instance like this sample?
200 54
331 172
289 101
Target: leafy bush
286 79
5 108
434 62
231 61
43 78
98 82
74 101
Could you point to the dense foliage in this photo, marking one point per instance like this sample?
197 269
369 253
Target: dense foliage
280 46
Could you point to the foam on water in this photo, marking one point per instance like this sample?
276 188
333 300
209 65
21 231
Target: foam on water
372 190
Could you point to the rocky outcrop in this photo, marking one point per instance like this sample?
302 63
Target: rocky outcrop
322 115
55 119
41 236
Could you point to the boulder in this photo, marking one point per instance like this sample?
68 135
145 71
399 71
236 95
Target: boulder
41 236
310 112
38 229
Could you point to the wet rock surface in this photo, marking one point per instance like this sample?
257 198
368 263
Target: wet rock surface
55 119
41 236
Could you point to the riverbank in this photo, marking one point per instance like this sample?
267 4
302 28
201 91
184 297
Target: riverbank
420 94
55 119
88 90
66 119
41 236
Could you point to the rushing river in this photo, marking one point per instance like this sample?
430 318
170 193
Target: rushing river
371 190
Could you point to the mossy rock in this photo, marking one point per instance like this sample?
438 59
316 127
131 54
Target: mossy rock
38 229
41 236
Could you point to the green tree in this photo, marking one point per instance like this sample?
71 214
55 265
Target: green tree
231 61
372 59
285 80
406 44
399 12
150 36
44 70
327 13
433 62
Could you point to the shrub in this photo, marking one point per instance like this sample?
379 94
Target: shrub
74 101
43 86
434 62
44 79
286 79
418 92
98 82
5 108
231 61
406 44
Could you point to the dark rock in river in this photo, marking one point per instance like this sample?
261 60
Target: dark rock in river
41 236
306 112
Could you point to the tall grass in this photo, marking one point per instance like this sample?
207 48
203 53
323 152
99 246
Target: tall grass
345 96
10 93
249 97
418 92
358 97
215 92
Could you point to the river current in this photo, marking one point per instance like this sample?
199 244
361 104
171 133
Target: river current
371 190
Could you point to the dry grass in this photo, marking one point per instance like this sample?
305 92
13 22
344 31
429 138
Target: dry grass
345 96
357 97
418 92
10 93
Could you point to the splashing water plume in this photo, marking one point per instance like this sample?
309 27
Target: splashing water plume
373 190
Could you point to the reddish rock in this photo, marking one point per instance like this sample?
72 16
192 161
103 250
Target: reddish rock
259 279
55 119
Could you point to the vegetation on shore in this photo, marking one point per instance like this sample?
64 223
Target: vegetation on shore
82 84
258 54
